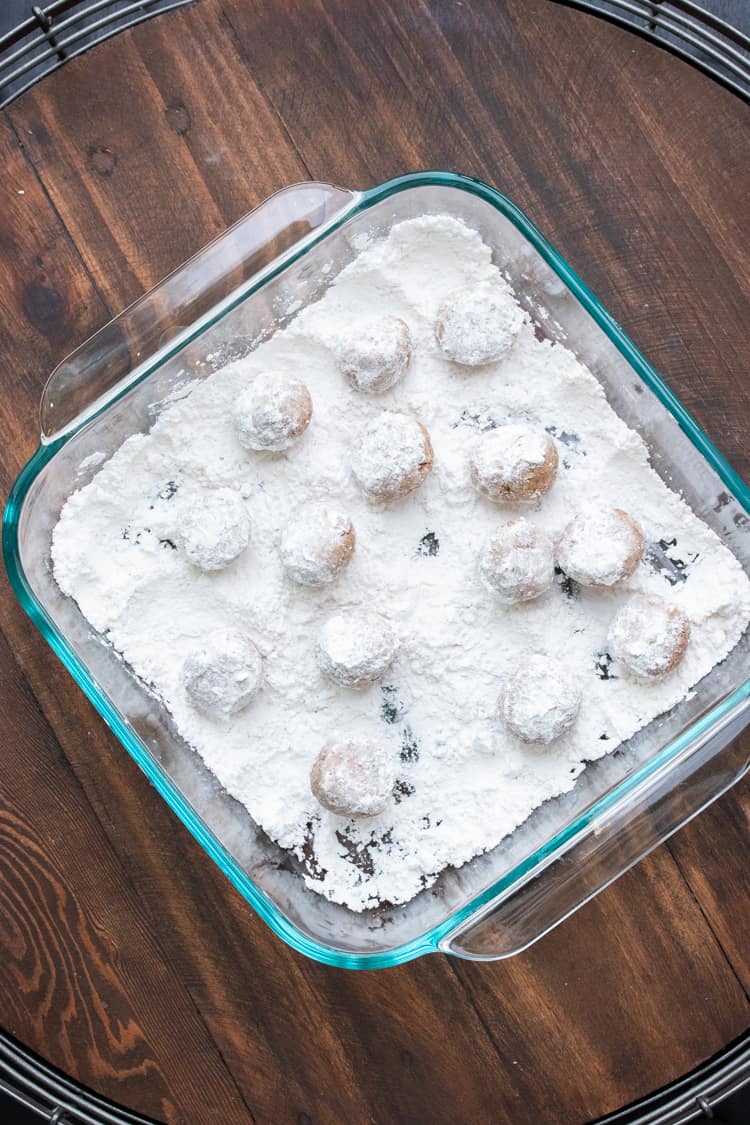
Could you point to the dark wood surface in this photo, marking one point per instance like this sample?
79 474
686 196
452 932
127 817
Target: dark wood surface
125 958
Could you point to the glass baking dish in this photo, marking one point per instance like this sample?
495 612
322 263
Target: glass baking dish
218 306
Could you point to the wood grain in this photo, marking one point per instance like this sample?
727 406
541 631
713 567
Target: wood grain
82 976
592 986
712 855
144 178
125 957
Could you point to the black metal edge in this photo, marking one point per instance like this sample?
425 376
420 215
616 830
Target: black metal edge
718 49
74 29
649 32
52 1095
58 52
43 1089
696 1095
25 27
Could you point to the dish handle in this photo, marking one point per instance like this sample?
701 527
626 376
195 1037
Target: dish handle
613 841
170 314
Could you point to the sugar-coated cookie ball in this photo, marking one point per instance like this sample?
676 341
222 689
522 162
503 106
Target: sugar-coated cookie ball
392 456
223 674
317 544
517 561
478 325
514 462
272 412
649 636
353 777
356 646
214 529
540 700
600 547
377 356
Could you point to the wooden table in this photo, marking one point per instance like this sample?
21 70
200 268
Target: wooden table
125 958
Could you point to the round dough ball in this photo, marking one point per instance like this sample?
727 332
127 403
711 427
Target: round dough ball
272 412
224 674
514 462
649 636
378 356
478 325
353 777
601 547
392 456
356 646
316 545
517 562
541 700
214 529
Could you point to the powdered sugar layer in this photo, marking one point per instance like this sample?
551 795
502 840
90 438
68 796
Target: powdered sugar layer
519 446
464 781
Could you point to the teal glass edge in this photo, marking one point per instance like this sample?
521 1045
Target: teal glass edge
278 922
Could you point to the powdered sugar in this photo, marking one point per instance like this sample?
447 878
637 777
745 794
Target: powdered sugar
649 636
272 412
478 324
464 781
316 545
223 673
600 546
516 461
517 561
392 456
353 777
521 446
540 700
214 531
378 356
356 646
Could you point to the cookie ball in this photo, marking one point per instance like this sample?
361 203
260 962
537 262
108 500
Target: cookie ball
516 462
214 529
355 647
600 547
272 412
517 562
392 456
649 636
353 777
223 674
378 356
316 545
478 325
540 701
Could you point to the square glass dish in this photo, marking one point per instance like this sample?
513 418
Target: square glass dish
217 307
